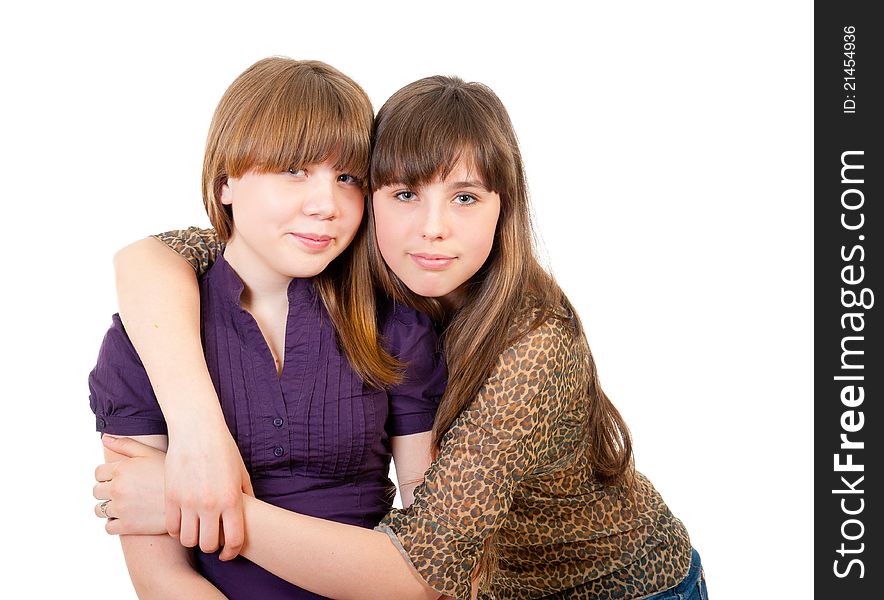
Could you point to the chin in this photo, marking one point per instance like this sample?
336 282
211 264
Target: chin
302 271
428 289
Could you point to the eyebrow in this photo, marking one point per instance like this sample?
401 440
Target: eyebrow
464 184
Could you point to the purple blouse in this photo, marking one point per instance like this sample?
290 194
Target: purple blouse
315 439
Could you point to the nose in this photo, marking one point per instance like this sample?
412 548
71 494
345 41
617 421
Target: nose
322 200
435 224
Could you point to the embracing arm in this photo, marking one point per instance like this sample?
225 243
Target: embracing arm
159 304
337 560
495 443
332 559
158 565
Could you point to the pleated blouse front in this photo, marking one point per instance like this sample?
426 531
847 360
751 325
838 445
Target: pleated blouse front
315 438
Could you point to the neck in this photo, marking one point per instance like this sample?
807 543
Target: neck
262 283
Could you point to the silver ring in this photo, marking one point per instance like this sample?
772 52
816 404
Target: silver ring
103 508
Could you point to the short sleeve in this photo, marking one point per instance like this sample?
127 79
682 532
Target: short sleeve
120 393
496 441
197 246
411 338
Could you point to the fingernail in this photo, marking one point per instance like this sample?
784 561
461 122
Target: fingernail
108 438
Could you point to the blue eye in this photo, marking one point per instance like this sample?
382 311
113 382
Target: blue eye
465 199
405 196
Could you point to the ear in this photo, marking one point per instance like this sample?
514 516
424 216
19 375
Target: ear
226 194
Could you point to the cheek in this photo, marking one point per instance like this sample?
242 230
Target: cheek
388 235
482 237
354 213
261 208
244 216
387 242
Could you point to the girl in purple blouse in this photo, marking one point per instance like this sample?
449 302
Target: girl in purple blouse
316 391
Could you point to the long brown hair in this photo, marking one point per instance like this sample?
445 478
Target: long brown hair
280 113
421 133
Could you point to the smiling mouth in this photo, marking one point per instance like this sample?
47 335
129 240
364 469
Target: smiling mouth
313 241
432 262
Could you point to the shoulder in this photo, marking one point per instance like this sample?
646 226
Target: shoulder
544 340
194 238
411 338
197 246
405 330
534 381
395 315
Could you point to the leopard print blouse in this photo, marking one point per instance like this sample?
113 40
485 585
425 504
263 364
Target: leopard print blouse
512 481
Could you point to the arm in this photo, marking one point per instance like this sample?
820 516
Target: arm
332 559
411 337
412 456
498 440
158 565
441 535
159 304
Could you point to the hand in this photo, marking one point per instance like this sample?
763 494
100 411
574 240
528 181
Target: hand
133 489
205 479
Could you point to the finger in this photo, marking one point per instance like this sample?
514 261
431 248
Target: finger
173 519
234 533
190 525
101 491
113 527
247 484
128 446
105 471
103 510
208 535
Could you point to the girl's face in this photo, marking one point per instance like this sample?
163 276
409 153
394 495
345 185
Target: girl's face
292 224
436 237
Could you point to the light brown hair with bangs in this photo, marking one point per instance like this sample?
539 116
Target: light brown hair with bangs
421 133
281 113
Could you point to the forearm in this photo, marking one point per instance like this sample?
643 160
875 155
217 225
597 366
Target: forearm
331 559
406 492
159 304
160 568
412 455
158 565
160 309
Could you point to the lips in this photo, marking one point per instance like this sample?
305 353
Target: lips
432 262
312 241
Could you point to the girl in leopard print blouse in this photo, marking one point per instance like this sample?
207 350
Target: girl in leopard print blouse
532 492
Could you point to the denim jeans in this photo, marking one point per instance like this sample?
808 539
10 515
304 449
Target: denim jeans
692 587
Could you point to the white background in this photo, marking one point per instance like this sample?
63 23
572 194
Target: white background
669 152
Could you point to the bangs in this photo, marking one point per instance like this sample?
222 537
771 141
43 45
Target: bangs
298 118
422 136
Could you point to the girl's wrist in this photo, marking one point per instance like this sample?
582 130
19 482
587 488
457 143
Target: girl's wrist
190 413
